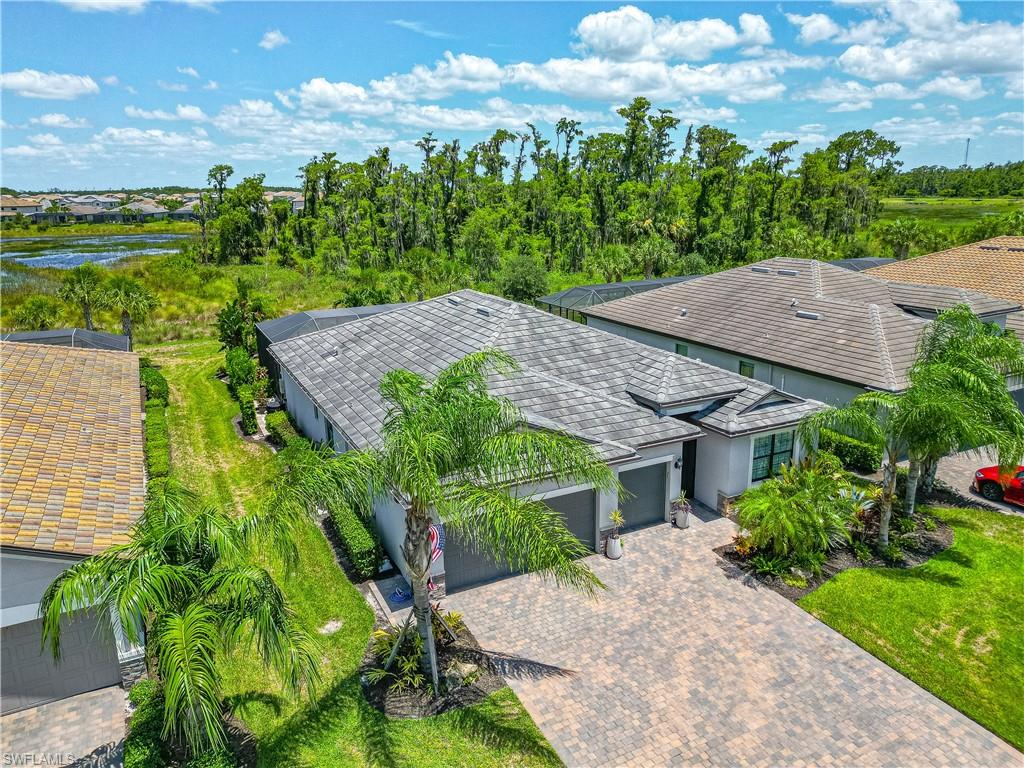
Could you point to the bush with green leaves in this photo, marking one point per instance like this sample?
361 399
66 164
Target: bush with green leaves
904 524
155 384
358 541
769 565
856 455
220 758
241 369
250 425
143 746
157 445
405 672
281 430
893 552
861 551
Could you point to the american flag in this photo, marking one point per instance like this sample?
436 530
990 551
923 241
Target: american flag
435 534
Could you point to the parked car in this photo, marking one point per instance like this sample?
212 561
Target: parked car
1009 487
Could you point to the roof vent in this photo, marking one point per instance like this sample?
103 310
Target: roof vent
808 315
330 353
683 312
788 272
990 247
762 270
483 311
794 303
454 301
1016 250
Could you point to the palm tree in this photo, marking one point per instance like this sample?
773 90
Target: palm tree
900 235
83 285
652 254
454 452
132 299
186 586
37 313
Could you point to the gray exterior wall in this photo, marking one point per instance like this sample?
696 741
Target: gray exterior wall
23 579
792 381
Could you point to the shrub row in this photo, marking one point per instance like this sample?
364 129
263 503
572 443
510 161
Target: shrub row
855 454
158 445
248 409
240 368
361 546
281 430
155 384
143 747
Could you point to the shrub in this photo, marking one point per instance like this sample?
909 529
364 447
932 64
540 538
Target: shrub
405 672
904 524
893 552
770 565
143 747
219 759
861 551
155 384
360 544
245 402
811 561
855 454
929 523
240 368
280 429
158 446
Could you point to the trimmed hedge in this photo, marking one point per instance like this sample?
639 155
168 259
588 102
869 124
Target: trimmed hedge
240 368
248 408
155 384
158 444
360 544
281 430
855 454
143 747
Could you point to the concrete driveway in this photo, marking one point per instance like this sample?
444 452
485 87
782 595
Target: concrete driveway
682 663
957 471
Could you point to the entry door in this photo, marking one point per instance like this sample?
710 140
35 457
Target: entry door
644 501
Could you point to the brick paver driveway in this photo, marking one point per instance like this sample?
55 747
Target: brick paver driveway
682 663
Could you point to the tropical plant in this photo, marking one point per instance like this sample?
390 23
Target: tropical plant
769 565
236 322
82 286
900 235
186 585
129 297
454 452
37 313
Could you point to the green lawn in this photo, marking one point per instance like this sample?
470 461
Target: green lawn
79 230
954 625
947 211
338 728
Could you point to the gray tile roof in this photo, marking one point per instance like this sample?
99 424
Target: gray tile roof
581 380
858 329
71 337
288 326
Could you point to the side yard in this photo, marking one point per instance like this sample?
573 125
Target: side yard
337 727
953 624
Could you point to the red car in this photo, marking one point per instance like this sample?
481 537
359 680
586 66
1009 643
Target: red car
1009 487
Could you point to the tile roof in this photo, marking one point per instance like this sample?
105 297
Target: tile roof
581 380
994 266
71 456
801 313
71 337
281 328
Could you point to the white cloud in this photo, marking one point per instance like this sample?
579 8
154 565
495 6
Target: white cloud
173 87
694 111
211 85
958 88
1015 86
272 39
814 28
319 96
152 139
453 74
630 34
810 135
930 129
111 80
851 95
420 28
493 113
45 140
109 6
181 112
34 84
919 106
59 120
1008 130
190 71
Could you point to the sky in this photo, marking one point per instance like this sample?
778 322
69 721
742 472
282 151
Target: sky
127 93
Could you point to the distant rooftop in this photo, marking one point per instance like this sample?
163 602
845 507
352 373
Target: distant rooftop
71 337
588 295
289 326
861 263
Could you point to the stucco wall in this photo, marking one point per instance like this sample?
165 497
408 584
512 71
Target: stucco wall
723 465
23 579
308 418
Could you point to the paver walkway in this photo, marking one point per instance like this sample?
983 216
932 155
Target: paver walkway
84 731
681 662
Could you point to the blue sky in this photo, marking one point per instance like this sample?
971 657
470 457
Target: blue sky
113 93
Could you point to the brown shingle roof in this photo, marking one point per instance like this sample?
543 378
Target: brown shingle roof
994 266
71 457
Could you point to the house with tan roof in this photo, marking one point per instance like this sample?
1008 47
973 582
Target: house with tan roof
72 483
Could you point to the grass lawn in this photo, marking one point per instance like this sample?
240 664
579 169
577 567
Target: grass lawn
337 728
947 211
80 230
952 625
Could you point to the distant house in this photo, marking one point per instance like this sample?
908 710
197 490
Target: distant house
187 212
571 301
22 205
79 338
73 483
140 211
807 327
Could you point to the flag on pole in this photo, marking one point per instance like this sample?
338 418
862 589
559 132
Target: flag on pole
435 534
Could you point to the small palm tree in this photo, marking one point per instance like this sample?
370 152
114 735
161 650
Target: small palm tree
83 286
185 585
132 299
454 452
37 313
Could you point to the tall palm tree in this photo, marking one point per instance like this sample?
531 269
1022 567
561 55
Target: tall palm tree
83 286
186 586
454 452
132 299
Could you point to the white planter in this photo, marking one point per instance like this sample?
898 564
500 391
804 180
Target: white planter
614 548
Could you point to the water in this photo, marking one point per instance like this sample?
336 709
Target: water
67 252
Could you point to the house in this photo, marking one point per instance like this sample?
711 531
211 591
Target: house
663 422
73 483
140 211
22 205
806 327
569 302
186 212
91 214
78 338
289 326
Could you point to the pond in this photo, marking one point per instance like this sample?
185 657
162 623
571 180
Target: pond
67 252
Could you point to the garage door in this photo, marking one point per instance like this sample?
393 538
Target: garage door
644 500
29 677
466 567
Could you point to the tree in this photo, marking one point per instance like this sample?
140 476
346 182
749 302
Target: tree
611 261
37 313
523 277
187 584
217 177
652 254
133 300
83 286
236 322
900 235
454 452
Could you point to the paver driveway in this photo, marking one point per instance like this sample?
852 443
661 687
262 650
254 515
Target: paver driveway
681 662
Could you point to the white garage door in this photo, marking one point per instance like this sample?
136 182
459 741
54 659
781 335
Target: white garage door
28 674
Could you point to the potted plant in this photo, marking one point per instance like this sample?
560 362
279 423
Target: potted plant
613 549
681 511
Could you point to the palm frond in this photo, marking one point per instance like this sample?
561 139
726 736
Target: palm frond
528 455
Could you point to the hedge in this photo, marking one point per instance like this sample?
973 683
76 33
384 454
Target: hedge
245 402
155 384
158 445
855 454
240 368
143 747
360 544
281 430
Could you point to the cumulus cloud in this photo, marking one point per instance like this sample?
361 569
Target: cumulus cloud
153 139
108 6
272 39
211 85
181 112
452 74
190 71
851 95
911 131
173 87
59 120
319 96
814 28
34 84
111 80
493 113
809 135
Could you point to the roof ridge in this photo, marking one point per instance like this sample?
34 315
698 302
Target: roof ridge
883 346
816 279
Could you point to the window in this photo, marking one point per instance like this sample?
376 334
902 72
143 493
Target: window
770 453
746 369
330 432
316 413
682 349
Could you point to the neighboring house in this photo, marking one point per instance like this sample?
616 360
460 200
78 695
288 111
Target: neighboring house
569 302
91 214
289 326
664 422
807 327
72 483
71 337
186 212
140 211
23 205
861 263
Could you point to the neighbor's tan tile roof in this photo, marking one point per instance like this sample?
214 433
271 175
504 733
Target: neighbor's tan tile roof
71 459
994 266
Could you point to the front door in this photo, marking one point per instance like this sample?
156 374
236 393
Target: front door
643 502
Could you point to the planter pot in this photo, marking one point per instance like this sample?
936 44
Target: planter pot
683 517
614 548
